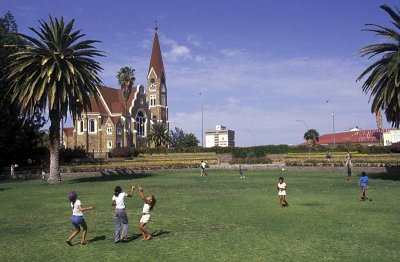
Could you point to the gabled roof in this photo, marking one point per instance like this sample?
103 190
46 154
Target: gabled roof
156 61
69 131
360 136
111 99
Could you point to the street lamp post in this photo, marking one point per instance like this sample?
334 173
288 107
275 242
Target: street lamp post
305 124
202 123
333 126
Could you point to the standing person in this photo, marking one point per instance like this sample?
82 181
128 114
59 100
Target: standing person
203 168
149 203
43 175
12 170
348 164
241 171
364 183
77 217
328 156
282 192
118 200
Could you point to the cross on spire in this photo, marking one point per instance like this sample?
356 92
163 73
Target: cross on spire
155 23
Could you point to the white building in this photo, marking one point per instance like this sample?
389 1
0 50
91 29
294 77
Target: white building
391 137
220 137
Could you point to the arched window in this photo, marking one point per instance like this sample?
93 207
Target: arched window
140 123
92 126
119 143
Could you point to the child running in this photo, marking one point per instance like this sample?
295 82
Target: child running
364 183
150 202
241 171
282 192
77 217
118 200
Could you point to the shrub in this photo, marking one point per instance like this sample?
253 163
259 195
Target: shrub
67 154
120 152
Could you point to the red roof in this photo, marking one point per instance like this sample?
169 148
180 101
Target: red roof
156 61
113 99
361 136
69 131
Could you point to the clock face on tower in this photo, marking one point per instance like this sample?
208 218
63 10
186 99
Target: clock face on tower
152 80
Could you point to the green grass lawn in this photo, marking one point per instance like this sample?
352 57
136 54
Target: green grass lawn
217 218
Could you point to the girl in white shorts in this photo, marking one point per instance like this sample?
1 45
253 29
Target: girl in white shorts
148 205
282 192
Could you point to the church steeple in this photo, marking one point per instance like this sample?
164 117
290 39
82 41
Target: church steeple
156 61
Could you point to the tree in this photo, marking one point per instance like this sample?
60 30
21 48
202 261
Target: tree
126 77
20 139
176 136
379 123
189 140
311 136
158 135
56 73
384 75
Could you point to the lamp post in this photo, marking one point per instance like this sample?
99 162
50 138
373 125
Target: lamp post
333 126
305 124
201 96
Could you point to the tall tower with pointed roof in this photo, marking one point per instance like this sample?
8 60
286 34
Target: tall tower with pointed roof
156 85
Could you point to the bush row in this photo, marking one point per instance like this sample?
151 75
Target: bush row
251 160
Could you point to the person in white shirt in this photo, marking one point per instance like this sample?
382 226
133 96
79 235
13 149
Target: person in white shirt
150 202
203 168
77 217
282 192
118 200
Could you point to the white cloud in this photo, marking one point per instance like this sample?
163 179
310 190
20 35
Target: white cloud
178 52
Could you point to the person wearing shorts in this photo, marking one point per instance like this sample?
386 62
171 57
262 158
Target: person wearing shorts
149 203
364 183
77 217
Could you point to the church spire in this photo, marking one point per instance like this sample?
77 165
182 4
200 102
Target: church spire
156 61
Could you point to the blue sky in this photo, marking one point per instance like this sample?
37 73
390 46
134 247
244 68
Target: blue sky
261 65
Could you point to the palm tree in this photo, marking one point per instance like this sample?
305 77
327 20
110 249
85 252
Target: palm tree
311 136
384 75
159 135
379 123
126 77
56 73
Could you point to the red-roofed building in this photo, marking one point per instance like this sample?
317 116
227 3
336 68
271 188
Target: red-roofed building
113 122
356 136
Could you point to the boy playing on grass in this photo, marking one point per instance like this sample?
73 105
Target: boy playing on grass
364 183
149 203
282 192
241 171
203 168
77 217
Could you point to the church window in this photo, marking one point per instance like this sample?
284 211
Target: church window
109 130
119 143
92 126
119 130
80 126
163 102
140 123
153 100
153 87
152 80
162 88
109 144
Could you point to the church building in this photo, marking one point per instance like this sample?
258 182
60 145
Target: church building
113 122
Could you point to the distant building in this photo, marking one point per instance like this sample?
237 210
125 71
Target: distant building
363 137
113 122
391 137
220 137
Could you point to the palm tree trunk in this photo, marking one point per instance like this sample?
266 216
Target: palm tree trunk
54 138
